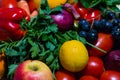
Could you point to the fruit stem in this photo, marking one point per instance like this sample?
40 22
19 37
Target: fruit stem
96 47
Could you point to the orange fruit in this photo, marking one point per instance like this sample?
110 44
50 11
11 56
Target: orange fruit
73 55
2 65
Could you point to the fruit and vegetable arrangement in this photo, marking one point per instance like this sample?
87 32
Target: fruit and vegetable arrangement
59 40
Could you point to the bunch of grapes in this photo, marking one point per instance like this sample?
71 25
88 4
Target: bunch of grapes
110 23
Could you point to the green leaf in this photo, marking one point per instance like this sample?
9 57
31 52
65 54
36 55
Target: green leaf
12 69
49 59
34 50
90 3
11 52
50 46
112 2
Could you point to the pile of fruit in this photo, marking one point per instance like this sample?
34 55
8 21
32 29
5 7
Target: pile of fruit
59 40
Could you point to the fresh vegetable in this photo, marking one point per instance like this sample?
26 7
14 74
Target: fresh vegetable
9 23
105 42
112 60
64 75
41 42
90 14
101 4
24 5
80 9
2 65
88 77
33 70
31 5
52 4
64 20
8 3
43 39
93 14
73 55
95 67
110 75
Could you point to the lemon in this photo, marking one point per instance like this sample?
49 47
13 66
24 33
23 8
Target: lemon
73 55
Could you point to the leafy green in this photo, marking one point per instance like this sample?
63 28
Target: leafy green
41 42
101 4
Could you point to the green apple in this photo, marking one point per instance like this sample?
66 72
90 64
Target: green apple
33 70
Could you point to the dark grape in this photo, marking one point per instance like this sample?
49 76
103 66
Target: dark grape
84 25
110 15
96 25
115 22
83 34
92 35
102 22
108 26
116 33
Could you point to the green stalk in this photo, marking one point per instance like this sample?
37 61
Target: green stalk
96 47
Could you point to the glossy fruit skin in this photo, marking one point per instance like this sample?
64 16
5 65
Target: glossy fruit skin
9 23
2 65
73 55
80 9
89 14
88 77
64 75
33 70
110 75
95 67
93 14
64 20
8 3
105 41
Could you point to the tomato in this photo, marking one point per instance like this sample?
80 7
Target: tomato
89 14
8 3
94 14
110 75
88 77
64 75
95 67
80 9
105 42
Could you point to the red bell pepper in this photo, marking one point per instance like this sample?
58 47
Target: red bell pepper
10 19
8 3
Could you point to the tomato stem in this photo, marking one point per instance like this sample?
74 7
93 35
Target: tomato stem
96 47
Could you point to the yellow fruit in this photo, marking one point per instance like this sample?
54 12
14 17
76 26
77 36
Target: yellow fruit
55 3
52 3
2 65
73 55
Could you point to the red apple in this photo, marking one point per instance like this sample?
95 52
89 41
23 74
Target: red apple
33 70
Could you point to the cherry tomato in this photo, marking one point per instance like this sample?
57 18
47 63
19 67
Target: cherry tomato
64 75
80 9
105 42
95 67
110 75
8 3
88 77
94 14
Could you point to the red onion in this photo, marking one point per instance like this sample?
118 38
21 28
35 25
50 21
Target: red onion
64 20
112 60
